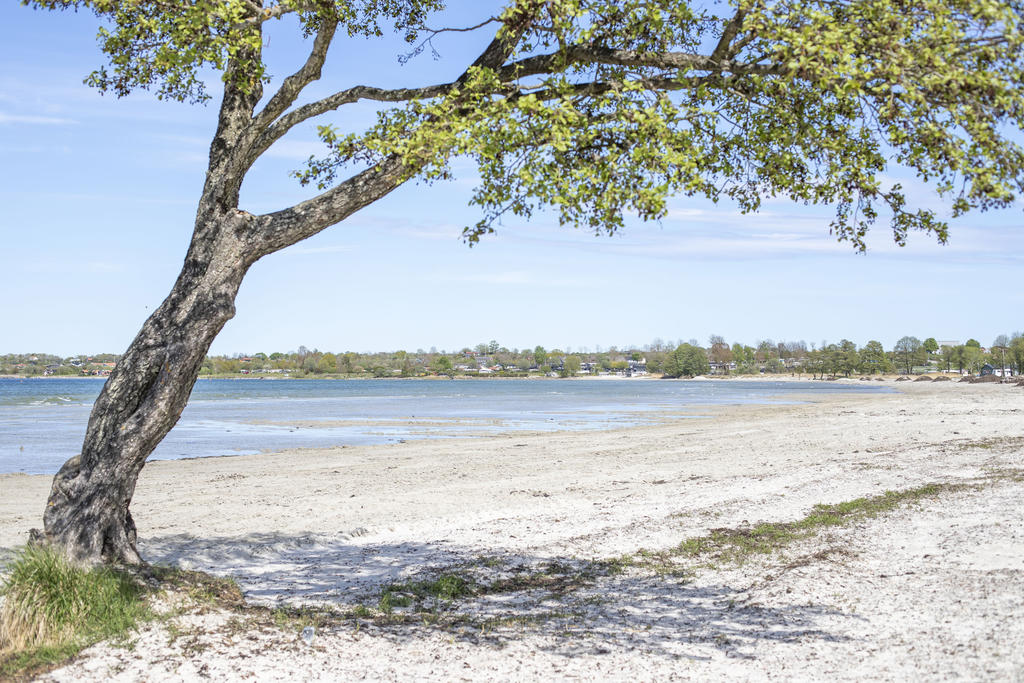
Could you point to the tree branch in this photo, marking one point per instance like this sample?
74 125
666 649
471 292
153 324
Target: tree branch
590 54
293 85
728 35
226 168
530 66
283 228
280 9
360 92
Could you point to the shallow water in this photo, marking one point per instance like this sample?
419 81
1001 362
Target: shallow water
42 421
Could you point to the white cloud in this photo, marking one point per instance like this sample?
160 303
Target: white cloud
104 198
441 231
299 150
60 266
35 120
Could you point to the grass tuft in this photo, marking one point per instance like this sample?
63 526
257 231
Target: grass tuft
736 545
52 608
201 588
443 589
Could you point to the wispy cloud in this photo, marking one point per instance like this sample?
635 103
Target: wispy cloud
439 232
61 266
298 150
104 267
35 120
103 198
36 149
331 249
514 277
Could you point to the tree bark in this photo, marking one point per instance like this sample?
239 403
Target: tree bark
87 514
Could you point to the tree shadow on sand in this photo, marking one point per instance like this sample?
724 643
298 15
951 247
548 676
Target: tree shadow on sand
576 606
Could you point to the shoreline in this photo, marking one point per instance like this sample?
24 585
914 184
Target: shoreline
335 526
723 418
624 405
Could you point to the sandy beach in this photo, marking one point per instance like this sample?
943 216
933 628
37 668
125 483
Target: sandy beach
931 590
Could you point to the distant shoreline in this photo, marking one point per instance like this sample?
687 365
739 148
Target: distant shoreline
781 377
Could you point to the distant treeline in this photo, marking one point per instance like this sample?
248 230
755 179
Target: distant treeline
680 359
34 364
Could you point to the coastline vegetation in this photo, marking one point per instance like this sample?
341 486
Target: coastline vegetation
52 609
666 358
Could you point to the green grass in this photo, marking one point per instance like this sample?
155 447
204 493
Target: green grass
443 589
735 546
200 588
52 609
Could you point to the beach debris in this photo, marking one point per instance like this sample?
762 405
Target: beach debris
307 635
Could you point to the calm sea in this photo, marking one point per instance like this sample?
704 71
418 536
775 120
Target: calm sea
42 421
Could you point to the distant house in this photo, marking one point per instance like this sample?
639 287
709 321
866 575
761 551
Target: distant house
721 368
987 369
635 368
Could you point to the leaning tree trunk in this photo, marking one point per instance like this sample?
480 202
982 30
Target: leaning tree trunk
87 512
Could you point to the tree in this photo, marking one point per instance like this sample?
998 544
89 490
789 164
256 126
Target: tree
959 356
973 357
999 347
571 366
596 110
847 358
442 365
930 346
719 350
907 351
946 353
686 361
1017 352
766 349
967 356
873 358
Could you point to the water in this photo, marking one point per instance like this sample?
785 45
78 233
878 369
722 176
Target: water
42 421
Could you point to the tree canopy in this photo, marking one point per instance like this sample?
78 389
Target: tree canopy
600 109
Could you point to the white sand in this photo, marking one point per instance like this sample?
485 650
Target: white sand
934 590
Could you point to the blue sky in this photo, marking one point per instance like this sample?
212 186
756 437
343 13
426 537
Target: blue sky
99 194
